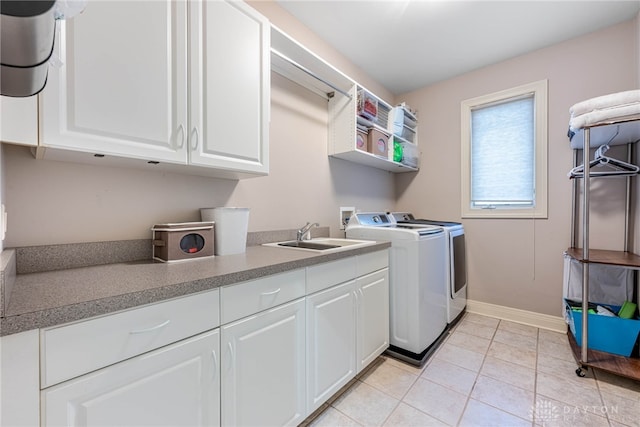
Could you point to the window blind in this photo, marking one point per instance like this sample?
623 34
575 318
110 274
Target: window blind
503 154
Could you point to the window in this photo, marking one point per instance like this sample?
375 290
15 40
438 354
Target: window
504 154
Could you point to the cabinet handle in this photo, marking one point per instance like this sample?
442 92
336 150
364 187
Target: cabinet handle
194 138
231 381
232 357
182 136
264 294
151 329
215 364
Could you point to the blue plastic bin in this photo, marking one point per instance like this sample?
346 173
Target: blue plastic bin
610 334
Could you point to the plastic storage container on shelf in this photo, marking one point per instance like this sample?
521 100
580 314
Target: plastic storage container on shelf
410 154
403 123
610 334
367 105
408 134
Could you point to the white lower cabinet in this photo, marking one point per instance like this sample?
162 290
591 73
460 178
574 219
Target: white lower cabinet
331 342
286 344
347 321
173 386
263 370
372 294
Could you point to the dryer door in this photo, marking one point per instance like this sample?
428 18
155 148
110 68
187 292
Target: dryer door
459 262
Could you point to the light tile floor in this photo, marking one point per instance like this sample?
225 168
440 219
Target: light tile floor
488 372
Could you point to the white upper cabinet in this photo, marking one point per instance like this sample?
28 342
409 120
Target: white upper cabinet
175 82
230 86
122 87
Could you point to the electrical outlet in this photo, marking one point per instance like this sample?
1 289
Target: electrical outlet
345 214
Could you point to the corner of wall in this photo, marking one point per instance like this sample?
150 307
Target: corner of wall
2 181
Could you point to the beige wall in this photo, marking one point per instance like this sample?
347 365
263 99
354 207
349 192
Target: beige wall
56 202
518 263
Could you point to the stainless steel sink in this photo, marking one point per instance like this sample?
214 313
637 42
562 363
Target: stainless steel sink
305 244
322 244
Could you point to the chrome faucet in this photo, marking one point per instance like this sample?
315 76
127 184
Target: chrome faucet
302 233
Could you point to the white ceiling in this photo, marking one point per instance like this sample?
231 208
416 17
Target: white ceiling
408 44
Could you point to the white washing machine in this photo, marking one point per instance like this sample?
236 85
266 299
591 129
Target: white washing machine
456 261
417 282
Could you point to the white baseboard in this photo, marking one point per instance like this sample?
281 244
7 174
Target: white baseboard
539 320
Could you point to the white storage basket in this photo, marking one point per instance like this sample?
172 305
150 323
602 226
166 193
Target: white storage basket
607 284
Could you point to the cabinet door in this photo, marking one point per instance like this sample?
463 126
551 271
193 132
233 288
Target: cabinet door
331 342
230 87
263 372
19 120
172 386
372 293
19 385
122 87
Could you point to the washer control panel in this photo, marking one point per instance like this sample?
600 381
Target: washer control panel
373 219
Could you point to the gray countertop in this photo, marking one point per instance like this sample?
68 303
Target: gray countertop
44 299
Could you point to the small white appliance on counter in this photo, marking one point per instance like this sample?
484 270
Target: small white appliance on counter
456 261
417 282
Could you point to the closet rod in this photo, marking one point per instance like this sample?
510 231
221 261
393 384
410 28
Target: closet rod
311 73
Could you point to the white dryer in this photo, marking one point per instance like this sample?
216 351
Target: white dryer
417 282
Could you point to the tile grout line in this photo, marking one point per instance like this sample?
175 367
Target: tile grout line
417 378
602 401
464 408
475 381
496 379
345 415
401 400
587 378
